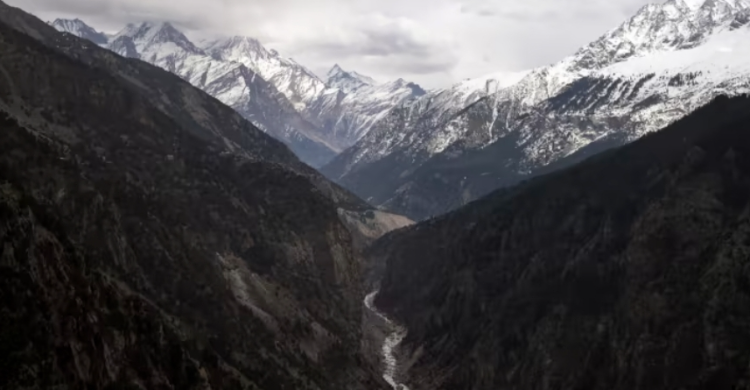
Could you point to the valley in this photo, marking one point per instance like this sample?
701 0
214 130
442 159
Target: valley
392 340
178 246
204 214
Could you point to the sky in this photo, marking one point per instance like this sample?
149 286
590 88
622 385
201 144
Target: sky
432 42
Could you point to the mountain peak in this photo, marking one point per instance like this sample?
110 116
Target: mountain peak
347 81
672 25
238 45
80 29
336 69
248 51
296 82
404 85
160 29
148 34
692 4
696 5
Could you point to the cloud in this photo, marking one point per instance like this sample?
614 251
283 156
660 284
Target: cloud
394 46
433 42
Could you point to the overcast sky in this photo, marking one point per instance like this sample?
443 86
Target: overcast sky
432 42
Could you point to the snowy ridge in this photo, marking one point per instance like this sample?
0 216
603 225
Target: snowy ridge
344 107
490 83
671 26
80 29
420 127
681 54
278 94
232 82
656 67
297 83
347 82
353 103
372 103
722 57
159 41
641 35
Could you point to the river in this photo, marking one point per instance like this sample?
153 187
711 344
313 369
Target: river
395 336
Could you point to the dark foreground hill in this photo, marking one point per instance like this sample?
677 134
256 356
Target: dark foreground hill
150 238
628 271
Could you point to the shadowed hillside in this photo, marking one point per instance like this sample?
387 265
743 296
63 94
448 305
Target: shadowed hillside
153 239
627 271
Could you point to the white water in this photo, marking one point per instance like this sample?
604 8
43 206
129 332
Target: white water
389 345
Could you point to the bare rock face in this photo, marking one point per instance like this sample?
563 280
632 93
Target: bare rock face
627 271
373 224
152 238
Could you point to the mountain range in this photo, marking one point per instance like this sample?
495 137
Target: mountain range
433 151
449 147
316 118
153 237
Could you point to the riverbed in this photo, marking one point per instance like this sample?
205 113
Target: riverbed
394 337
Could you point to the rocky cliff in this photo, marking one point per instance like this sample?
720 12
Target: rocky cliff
154 239
627 271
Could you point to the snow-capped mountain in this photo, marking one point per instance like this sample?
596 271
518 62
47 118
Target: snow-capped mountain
232 82
344 107
124 46
673 25
316 118
347 81
158 41
353 103
80 29
448 147
299 84
417 126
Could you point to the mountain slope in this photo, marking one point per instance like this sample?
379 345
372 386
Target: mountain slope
317 119
623 272
354 104
239 87
296 82
207 116
343 108
347 82
155 239
653 69
80 29
420 117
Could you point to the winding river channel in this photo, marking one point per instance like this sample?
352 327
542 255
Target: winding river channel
393 339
